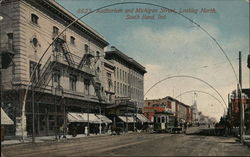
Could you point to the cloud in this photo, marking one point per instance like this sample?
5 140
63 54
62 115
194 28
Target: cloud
178 51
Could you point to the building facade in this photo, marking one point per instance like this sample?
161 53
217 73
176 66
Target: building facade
182 111
69 78
128 78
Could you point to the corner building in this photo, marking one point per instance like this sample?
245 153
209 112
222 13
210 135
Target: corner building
69 77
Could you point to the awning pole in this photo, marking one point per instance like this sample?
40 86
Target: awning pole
100 125
88 121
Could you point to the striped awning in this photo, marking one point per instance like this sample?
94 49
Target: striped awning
127 119
5 119
104 119
142 118
83 117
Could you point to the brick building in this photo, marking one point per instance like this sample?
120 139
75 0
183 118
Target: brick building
182 111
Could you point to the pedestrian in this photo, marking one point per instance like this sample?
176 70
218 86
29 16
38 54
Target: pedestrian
185 127
96 129
60 131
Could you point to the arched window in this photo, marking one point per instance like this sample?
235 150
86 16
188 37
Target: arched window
34 18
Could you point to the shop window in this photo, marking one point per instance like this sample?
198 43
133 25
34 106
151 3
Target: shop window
34 18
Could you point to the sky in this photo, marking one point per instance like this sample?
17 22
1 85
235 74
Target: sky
171 45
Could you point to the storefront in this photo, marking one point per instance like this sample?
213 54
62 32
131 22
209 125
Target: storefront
5 120
142 122
81 121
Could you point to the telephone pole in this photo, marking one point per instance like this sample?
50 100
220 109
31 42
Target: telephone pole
240 101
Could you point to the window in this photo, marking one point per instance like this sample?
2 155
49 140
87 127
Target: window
72 82
36 75
109 84
118 91
10 41
163 120
158 120
124 90
34 18
72 40
114 86
117 73
56 77
98 69
97 54
55 30
35 42
86 86
123 75
120 74
121 88
86 48
108 75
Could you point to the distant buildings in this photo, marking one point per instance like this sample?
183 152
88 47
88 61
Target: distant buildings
182 111
234 108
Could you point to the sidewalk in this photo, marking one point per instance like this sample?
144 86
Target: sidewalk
51 138
247 140
45 139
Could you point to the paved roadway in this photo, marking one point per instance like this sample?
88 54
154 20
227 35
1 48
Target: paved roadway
136 144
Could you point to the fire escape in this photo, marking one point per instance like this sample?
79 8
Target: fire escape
90 60
63 57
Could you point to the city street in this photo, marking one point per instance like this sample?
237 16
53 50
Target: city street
135 144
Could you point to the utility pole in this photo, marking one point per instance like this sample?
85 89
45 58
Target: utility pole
240 101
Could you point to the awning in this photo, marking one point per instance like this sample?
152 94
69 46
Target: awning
104 119
5 119
142 118
82 117
127 119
